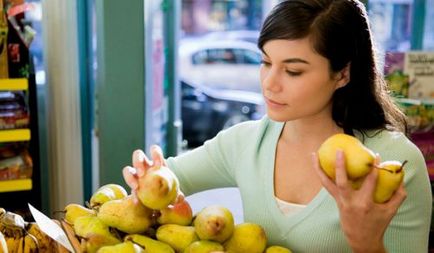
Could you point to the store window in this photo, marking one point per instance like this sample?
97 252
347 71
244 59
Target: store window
218 65
34 17
391 24
428 41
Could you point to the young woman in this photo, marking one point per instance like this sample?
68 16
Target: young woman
319 77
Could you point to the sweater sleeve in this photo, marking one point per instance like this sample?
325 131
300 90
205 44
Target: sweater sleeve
409 229
209 166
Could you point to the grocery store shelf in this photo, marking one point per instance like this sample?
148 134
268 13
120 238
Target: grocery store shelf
14 84
14 135
15 185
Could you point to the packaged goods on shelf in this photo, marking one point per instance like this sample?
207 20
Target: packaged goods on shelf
420 113
16 167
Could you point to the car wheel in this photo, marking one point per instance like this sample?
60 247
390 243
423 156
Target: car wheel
234 119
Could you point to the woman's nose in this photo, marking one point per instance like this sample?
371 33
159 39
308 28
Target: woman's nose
271 81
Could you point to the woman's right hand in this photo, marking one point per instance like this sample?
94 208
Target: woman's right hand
141 164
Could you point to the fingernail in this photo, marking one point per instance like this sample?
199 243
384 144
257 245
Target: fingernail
132 171
141 157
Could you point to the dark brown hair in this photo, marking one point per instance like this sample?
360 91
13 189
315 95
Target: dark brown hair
339 31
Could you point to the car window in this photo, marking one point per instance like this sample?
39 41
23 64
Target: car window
186 90
226 56
246 56
215 56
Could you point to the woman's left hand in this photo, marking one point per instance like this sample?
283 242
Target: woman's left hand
363 221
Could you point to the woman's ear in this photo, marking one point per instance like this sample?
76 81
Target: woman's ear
343 77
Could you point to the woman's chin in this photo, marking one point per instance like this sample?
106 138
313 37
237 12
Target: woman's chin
277 117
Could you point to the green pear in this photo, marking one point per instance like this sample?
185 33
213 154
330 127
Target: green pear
203 246
73 211
247 237
277 249
177 236
150 244
359 159
214 223
158 187
95 241
179 213
105 193
390 176
125 247
126 215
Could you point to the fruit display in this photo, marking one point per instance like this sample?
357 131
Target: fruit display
158 220
359 161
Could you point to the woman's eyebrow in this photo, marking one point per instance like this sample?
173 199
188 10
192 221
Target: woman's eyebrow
295 60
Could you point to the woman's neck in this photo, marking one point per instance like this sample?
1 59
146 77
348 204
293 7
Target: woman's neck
312 131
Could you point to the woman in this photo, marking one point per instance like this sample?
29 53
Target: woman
319 77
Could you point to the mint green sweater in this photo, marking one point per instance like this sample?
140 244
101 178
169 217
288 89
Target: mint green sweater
243 157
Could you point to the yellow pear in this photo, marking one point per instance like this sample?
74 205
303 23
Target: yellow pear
204 246
126 215
95 233
149 244
125 247
359 159
177 236
106 193
158 188
93 242
247 237
178 213
214 223
73 211
390 176
86 225
118 190
277 249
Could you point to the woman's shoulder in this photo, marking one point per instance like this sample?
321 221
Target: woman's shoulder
253 128
249 133
391 144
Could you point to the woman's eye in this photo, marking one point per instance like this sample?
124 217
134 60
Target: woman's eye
293 73
265 63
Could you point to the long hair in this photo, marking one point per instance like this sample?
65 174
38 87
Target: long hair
340 32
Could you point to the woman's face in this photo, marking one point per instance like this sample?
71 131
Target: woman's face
296 81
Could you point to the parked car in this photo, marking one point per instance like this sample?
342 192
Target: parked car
206 111
246 35
231 64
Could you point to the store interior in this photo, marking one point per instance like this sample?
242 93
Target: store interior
84 83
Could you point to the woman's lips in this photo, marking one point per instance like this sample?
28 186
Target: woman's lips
273 104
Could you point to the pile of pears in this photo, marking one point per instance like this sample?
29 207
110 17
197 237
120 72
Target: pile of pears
160 221
359 161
